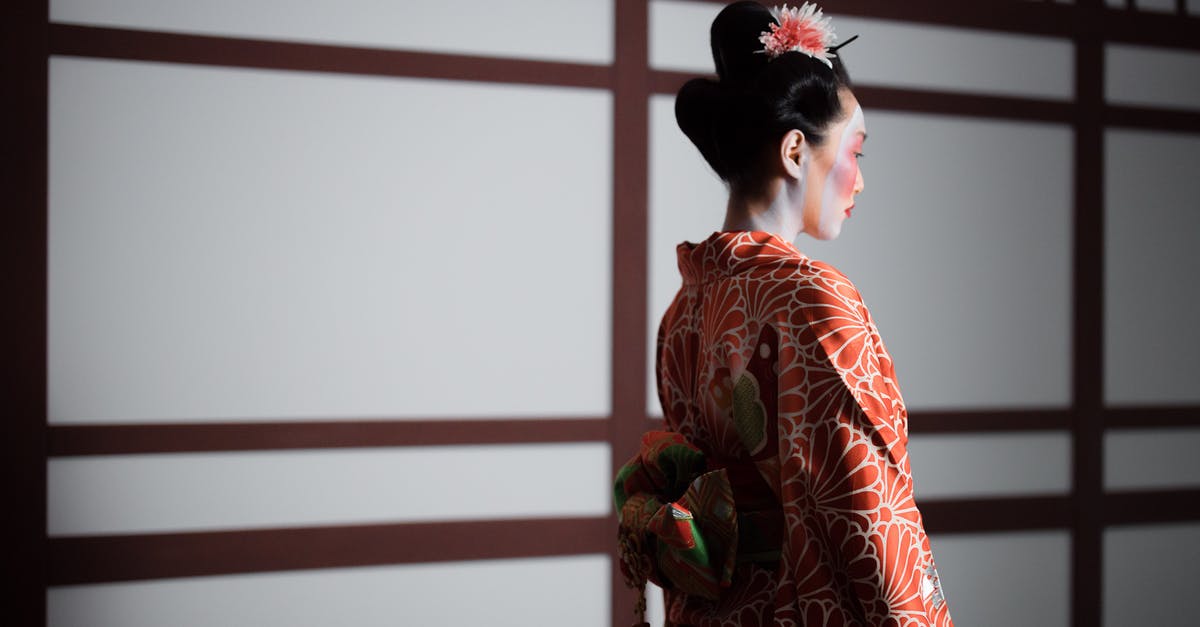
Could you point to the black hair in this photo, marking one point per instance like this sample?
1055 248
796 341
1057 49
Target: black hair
734 120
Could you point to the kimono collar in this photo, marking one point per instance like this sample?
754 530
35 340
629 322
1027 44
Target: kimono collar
728 253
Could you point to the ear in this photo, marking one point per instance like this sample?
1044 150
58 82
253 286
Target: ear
793 153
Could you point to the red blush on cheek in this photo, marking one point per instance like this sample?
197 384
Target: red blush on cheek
845 177
846 185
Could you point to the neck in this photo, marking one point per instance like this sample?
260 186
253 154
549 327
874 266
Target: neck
767 211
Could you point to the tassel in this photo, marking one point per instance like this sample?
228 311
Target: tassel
639 606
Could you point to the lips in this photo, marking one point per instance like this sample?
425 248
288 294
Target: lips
848 210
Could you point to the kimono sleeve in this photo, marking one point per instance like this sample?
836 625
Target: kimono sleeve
856 546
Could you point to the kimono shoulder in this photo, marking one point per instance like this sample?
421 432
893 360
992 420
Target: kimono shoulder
828 330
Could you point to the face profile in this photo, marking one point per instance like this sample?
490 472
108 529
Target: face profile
833 176
818 179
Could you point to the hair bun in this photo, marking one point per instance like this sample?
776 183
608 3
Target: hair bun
711 112
736 49
701 106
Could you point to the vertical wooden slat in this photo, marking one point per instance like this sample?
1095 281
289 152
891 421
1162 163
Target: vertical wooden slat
23 255
630 265
1088 319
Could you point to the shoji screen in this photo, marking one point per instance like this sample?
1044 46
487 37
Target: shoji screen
349 305
285 263
1151 228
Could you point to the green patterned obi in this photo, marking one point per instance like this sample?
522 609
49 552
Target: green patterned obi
679 524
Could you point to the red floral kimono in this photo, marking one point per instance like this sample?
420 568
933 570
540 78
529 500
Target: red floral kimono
768 363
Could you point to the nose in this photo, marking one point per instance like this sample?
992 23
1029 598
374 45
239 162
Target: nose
859 184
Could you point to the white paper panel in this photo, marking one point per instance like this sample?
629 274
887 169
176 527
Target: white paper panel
1157 77
231 244
193 491
1151 574
949 466
892 53
513 28
1151 294
1151 458
1005 579
656 611
497 592
966 271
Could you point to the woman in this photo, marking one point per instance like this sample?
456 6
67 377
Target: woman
782 493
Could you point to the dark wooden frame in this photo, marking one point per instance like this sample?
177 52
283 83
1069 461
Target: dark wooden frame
38 561
24 54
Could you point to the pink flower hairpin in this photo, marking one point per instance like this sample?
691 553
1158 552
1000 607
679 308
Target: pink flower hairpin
802 29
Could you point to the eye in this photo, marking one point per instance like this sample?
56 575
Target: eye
859 155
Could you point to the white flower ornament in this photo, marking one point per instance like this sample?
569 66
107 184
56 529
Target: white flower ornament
802 29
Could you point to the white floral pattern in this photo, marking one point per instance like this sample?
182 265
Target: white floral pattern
855 552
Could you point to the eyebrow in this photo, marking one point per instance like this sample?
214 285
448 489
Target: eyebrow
864 135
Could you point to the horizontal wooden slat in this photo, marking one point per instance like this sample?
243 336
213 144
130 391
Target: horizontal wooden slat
1152 118
998 514
96 559
1148 28
115 43
1051 20
998 15
1151 417
972 105
1047 18
125 439
1151 506
989 421
986 106
1028 513
922 101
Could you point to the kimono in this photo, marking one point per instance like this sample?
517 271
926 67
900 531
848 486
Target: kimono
774 379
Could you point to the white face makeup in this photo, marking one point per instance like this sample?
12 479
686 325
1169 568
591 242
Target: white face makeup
835 179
